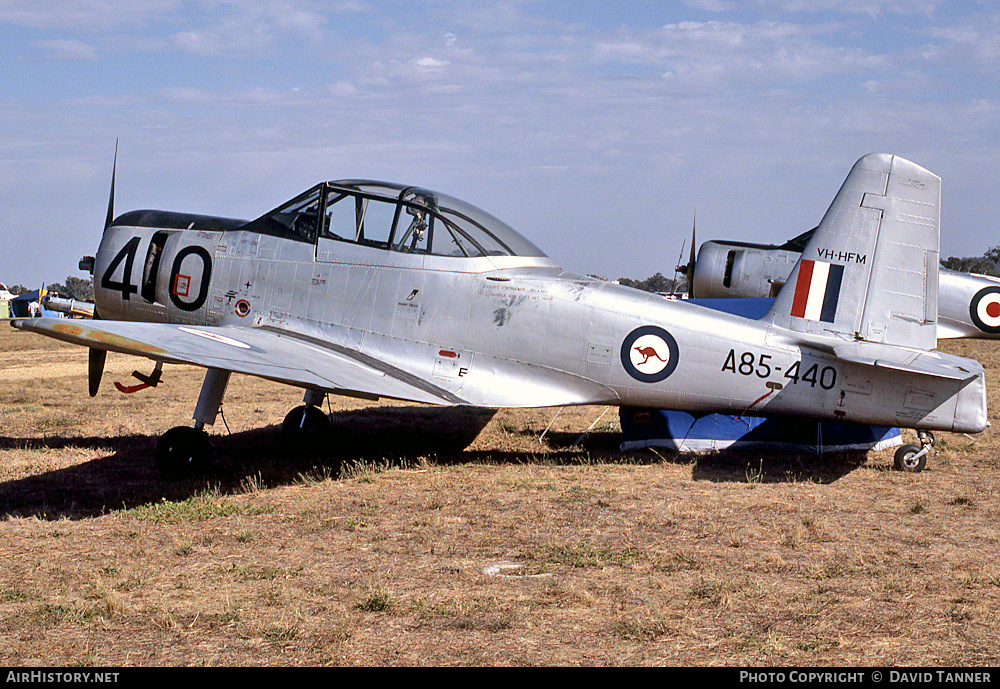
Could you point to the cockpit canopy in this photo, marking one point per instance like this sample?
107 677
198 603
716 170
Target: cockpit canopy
393 217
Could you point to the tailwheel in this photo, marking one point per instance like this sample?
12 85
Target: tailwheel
182 452
911 458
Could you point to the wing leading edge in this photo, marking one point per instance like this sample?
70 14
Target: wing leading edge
266 353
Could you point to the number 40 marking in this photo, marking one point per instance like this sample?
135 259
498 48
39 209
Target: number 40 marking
180 284
125 286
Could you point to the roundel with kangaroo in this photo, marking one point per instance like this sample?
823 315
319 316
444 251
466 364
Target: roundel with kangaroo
649 354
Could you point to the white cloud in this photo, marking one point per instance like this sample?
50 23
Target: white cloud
84 15
430 63
872 8
353 7
710 5
254 96
982 40
250 28
68 49
706 53
303 22
343 89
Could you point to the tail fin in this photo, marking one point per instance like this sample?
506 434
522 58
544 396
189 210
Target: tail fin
870 270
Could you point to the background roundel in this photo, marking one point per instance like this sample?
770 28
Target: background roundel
649 354
985 309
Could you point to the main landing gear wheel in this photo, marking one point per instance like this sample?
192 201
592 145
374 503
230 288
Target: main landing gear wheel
305 423
307 432
183 451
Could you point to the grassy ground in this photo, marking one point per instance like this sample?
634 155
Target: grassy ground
520 549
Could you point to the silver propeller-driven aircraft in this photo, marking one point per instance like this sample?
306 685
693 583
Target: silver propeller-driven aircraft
968 304
371 289
68 306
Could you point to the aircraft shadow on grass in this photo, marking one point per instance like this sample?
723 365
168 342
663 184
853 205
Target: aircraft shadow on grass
123 477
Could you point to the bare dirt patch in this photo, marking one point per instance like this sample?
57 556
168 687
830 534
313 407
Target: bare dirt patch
518 549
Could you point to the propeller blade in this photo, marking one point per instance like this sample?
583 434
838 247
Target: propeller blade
111 200
95 369
678 269
97 360
690 265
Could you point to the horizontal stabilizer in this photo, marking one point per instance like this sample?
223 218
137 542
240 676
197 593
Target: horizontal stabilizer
933 364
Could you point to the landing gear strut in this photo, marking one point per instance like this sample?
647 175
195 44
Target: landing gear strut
184 451
913 458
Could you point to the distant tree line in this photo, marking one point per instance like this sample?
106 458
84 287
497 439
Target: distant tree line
987 264
654 283
74 288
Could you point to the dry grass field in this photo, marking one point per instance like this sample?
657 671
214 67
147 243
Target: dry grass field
520 549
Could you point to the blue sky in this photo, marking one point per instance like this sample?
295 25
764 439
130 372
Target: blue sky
597 129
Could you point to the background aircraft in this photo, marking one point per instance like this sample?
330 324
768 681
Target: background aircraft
376 290
968 304
71 307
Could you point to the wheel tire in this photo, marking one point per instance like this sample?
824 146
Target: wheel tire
305 423
182 452
906 459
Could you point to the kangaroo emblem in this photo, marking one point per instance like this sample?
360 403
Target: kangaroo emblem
648 352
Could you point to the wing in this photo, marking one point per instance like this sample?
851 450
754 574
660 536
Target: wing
276 355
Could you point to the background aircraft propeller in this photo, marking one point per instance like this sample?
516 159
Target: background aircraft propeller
688 270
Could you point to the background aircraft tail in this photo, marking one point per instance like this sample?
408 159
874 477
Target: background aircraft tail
870 270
